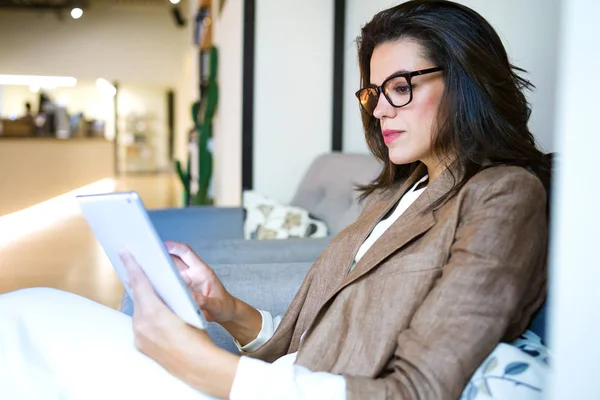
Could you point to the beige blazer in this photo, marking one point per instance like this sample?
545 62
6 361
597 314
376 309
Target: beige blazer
434 295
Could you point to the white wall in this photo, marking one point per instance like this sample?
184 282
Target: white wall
130 44
292 91
575 267
227 127
529 30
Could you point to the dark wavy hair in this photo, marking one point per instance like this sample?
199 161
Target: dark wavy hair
483 114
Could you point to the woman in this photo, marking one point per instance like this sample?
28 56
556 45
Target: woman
447 259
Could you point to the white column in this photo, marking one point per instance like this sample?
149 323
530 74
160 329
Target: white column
292 91
575 266
227 127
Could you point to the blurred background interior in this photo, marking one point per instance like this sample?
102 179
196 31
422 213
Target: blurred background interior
192 102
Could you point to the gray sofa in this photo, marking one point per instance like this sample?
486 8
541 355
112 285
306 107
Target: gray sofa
327 191
269 287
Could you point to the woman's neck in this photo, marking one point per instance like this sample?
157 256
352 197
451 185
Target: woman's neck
436 166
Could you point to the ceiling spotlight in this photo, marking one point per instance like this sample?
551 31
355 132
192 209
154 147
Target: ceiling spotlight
76 13
175 1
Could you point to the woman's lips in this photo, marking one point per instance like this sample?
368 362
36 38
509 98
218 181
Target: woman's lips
389 135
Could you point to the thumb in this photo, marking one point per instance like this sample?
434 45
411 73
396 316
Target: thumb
141 288
187 255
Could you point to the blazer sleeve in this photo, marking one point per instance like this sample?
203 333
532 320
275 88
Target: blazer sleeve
498 254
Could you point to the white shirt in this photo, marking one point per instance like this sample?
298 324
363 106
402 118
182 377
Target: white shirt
256 379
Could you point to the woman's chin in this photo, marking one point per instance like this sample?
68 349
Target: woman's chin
400 158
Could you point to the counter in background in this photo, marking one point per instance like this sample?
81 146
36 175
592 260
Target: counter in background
33 170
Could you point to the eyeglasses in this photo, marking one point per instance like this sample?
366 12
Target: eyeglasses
397 89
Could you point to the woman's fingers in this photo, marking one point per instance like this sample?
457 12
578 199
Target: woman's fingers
209 293
142 291
181 266
187 255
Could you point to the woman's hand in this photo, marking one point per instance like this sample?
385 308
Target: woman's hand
241 320
184 351
214 300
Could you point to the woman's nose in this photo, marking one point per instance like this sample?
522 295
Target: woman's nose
384 108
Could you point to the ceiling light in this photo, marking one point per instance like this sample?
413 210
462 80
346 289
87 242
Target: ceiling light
175 1
76 13
35 80
105 87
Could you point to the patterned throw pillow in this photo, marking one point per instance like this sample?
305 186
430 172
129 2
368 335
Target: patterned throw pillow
267 219
515 371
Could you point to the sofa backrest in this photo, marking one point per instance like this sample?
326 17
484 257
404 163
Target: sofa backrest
328 190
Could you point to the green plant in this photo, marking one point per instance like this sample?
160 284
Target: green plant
203 112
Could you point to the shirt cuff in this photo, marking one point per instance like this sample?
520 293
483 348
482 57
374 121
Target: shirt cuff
266 332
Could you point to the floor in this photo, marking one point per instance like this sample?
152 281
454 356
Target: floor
62 252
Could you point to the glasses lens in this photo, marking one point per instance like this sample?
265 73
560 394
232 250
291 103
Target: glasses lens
368 98
397 91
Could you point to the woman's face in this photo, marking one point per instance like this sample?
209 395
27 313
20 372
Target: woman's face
407 131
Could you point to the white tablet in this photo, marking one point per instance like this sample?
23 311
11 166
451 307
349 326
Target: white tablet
120 221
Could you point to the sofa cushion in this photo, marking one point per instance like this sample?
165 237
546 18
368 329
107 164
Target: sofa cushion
328 189
513 371
241 251
198 223
268 219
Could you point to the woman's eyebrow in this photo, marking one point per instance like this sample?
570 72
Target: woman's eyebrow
400 71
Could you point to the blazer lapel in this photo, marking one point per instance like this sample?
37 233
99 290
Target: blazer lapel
412 223
361 229
339 263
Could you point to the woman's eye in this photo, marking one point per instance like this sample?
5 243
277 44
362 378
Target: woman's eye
401 89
